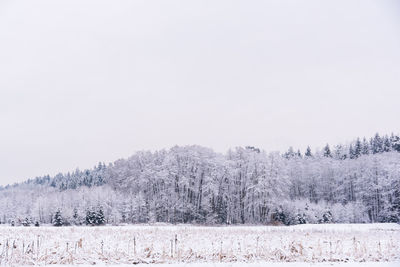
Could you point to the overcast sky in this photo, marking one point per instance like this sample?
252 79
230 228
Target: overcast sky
89 81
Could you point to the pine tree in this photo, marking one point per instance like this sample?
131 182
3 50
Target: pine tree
386 144
90 218
352 153
26 222
75 217
308 152
300 219
57 220
326 217
395 142
327 151
100 219
357 148
377 144
365 147
290 153
339 152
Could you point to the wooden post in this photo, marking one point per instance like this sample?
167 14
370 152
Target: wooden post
220 252
176 247
380 249
38 245
134 245
172 253
7 251
257 246
12 249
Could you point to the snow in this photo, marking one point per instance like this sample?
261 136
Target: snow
269 264
202 246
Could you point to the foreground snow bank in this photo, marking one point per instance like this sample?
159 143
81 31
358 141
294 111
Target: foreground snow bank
157 244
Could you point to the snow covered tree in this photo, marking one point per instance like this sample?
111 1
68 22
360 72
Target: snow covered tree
339 152
194 184
395 142
75 217
90 218
365 147
58 220
352 153
357 148
377 144
327 151
290 153
326 217
308 152
27 221
99 216
386 144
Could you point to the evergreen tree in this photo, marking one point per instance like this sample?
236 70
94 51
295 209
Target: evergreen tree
386 144
279 216
300 219
352 153
377 144
95 217
326 217
26 222
395 142
100 219
90 218
290 153
365 147
75 216
340 153
357 148
308 152
327 151
58 220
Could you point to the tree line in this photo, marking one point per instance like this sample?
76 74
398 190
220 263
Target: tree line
357 182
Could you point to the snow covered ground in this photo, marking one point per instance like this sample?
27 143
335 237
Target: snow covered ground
266 264
312 245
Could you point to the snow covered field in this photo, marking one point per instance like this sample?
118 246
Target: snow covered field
266 264
198 244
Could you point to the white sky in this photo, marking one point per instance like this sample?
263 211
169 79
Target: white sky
89 81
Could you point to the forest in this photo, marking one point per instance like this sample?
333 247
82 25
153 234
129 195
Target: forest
357 182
